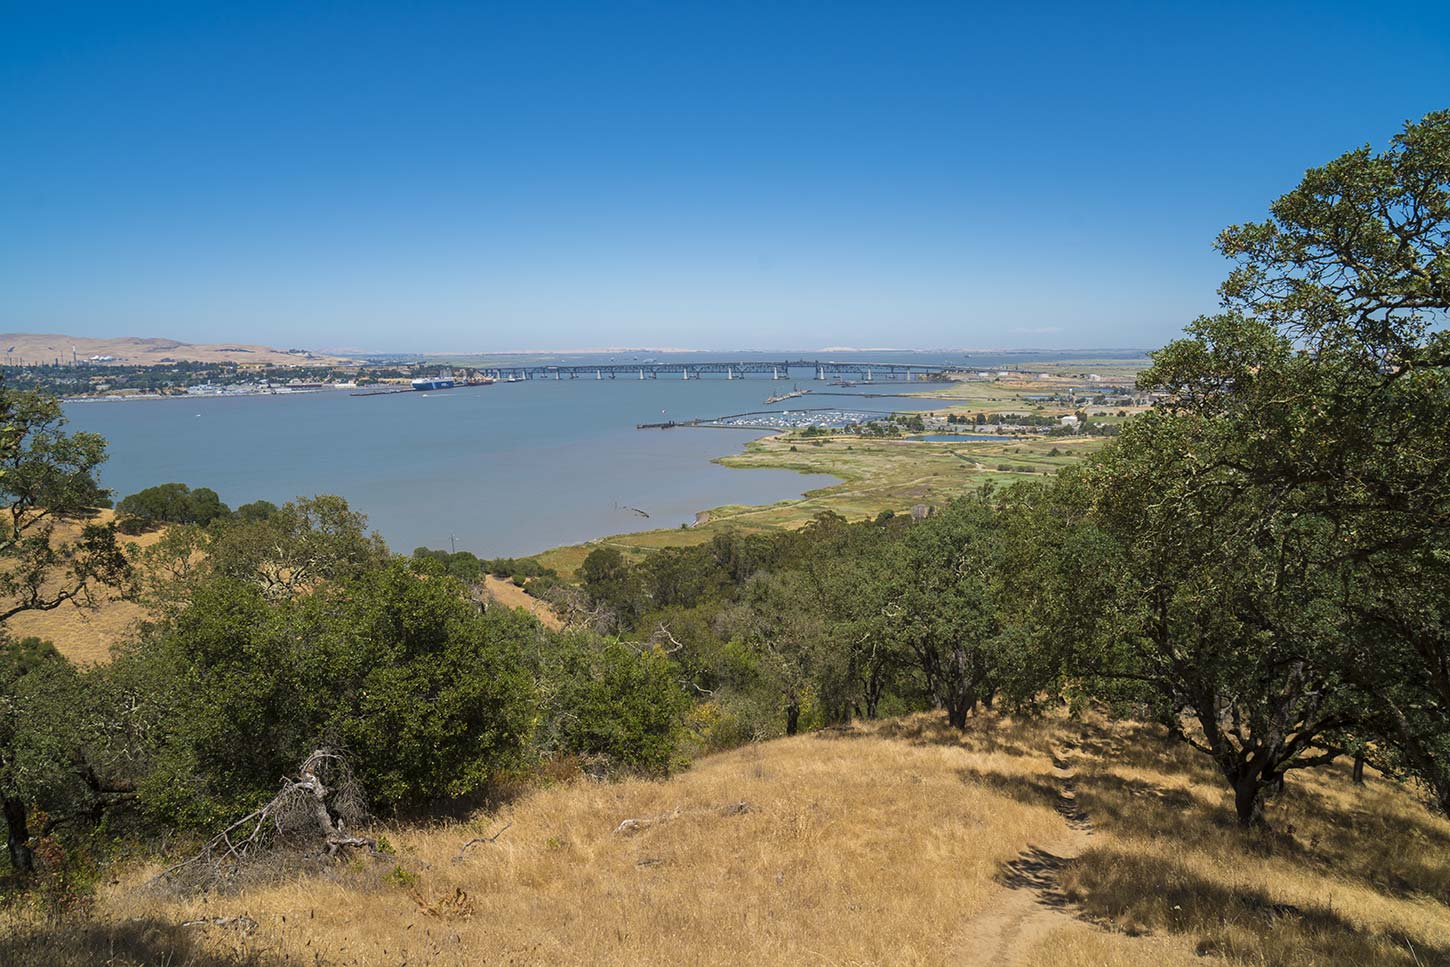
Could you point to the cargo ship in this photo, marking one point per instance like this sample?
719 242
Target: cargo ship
433 382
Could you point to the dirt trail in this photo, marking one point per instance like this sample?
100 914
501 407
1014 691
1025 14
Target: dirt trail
510 595
1033 904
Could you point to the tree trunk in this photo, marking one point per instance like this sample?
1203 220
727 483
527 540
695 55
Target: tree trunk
957 710
1249 802
17 836
871 694
1358 774
792 718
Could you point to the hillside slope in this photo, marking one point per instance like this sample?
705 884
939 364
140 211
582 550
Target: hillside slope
31 347
84 633
1036 842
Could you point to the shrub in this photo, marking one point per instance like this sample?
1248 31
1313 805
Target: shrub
429 697
608 699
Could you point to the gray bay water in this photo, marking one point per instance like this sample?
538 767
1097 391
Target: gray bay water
508 469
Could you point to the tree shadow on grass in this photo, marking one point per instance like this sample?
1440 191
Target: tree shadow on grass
1140 808
985 733
1136 745
1239 923
1311 830
132 943
1040 871
1027 789
1396 853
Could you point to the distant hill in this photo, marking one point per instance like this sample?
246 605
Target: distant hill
48 347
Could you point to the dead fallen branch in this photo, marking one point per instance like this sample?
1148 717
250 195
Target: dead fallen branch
628 827
311 812
481 839
244 924
456 906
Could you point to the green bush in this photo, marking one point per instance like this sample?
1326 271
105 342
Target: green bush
607 699
429 697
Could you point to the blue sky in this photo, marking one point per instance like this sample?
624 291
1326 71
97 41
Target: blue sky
480 176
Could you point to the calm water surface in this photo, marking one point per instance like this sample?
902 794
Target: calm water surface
505 469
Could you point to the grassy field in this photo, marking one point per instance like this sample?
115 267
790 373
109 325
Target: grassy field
1047 378
511 595
85 634
1038 842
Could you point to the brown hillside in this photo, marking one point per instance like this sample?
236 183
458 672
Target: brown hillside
1038 842
85 634
82 633
510 595
47 347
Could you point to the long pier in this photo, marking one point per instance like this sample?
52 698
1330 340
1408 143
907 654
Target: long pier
718 422
782 369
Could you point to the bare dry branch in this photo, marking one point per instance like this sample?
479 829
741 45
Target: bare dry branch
306 815
481 839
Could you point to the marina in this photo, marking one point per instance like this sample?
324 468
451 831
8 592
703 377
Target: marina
826 418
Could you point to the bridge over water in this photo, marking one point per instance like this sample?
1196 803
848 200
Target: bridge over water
783 369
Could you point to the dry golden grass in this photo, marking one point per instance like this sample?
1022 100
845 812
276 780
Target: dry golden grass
510 595
883 844
865 847
1086 943
1350 875
85 634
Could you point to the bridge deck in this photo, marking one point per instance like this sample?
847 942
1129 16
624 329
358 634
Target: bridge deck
782 369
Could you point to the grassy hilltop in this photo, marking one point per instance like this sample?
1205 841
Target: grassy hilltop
1032 842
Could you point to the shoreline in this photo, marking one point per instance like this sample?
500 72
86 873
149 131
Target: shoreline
157 397
870 475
